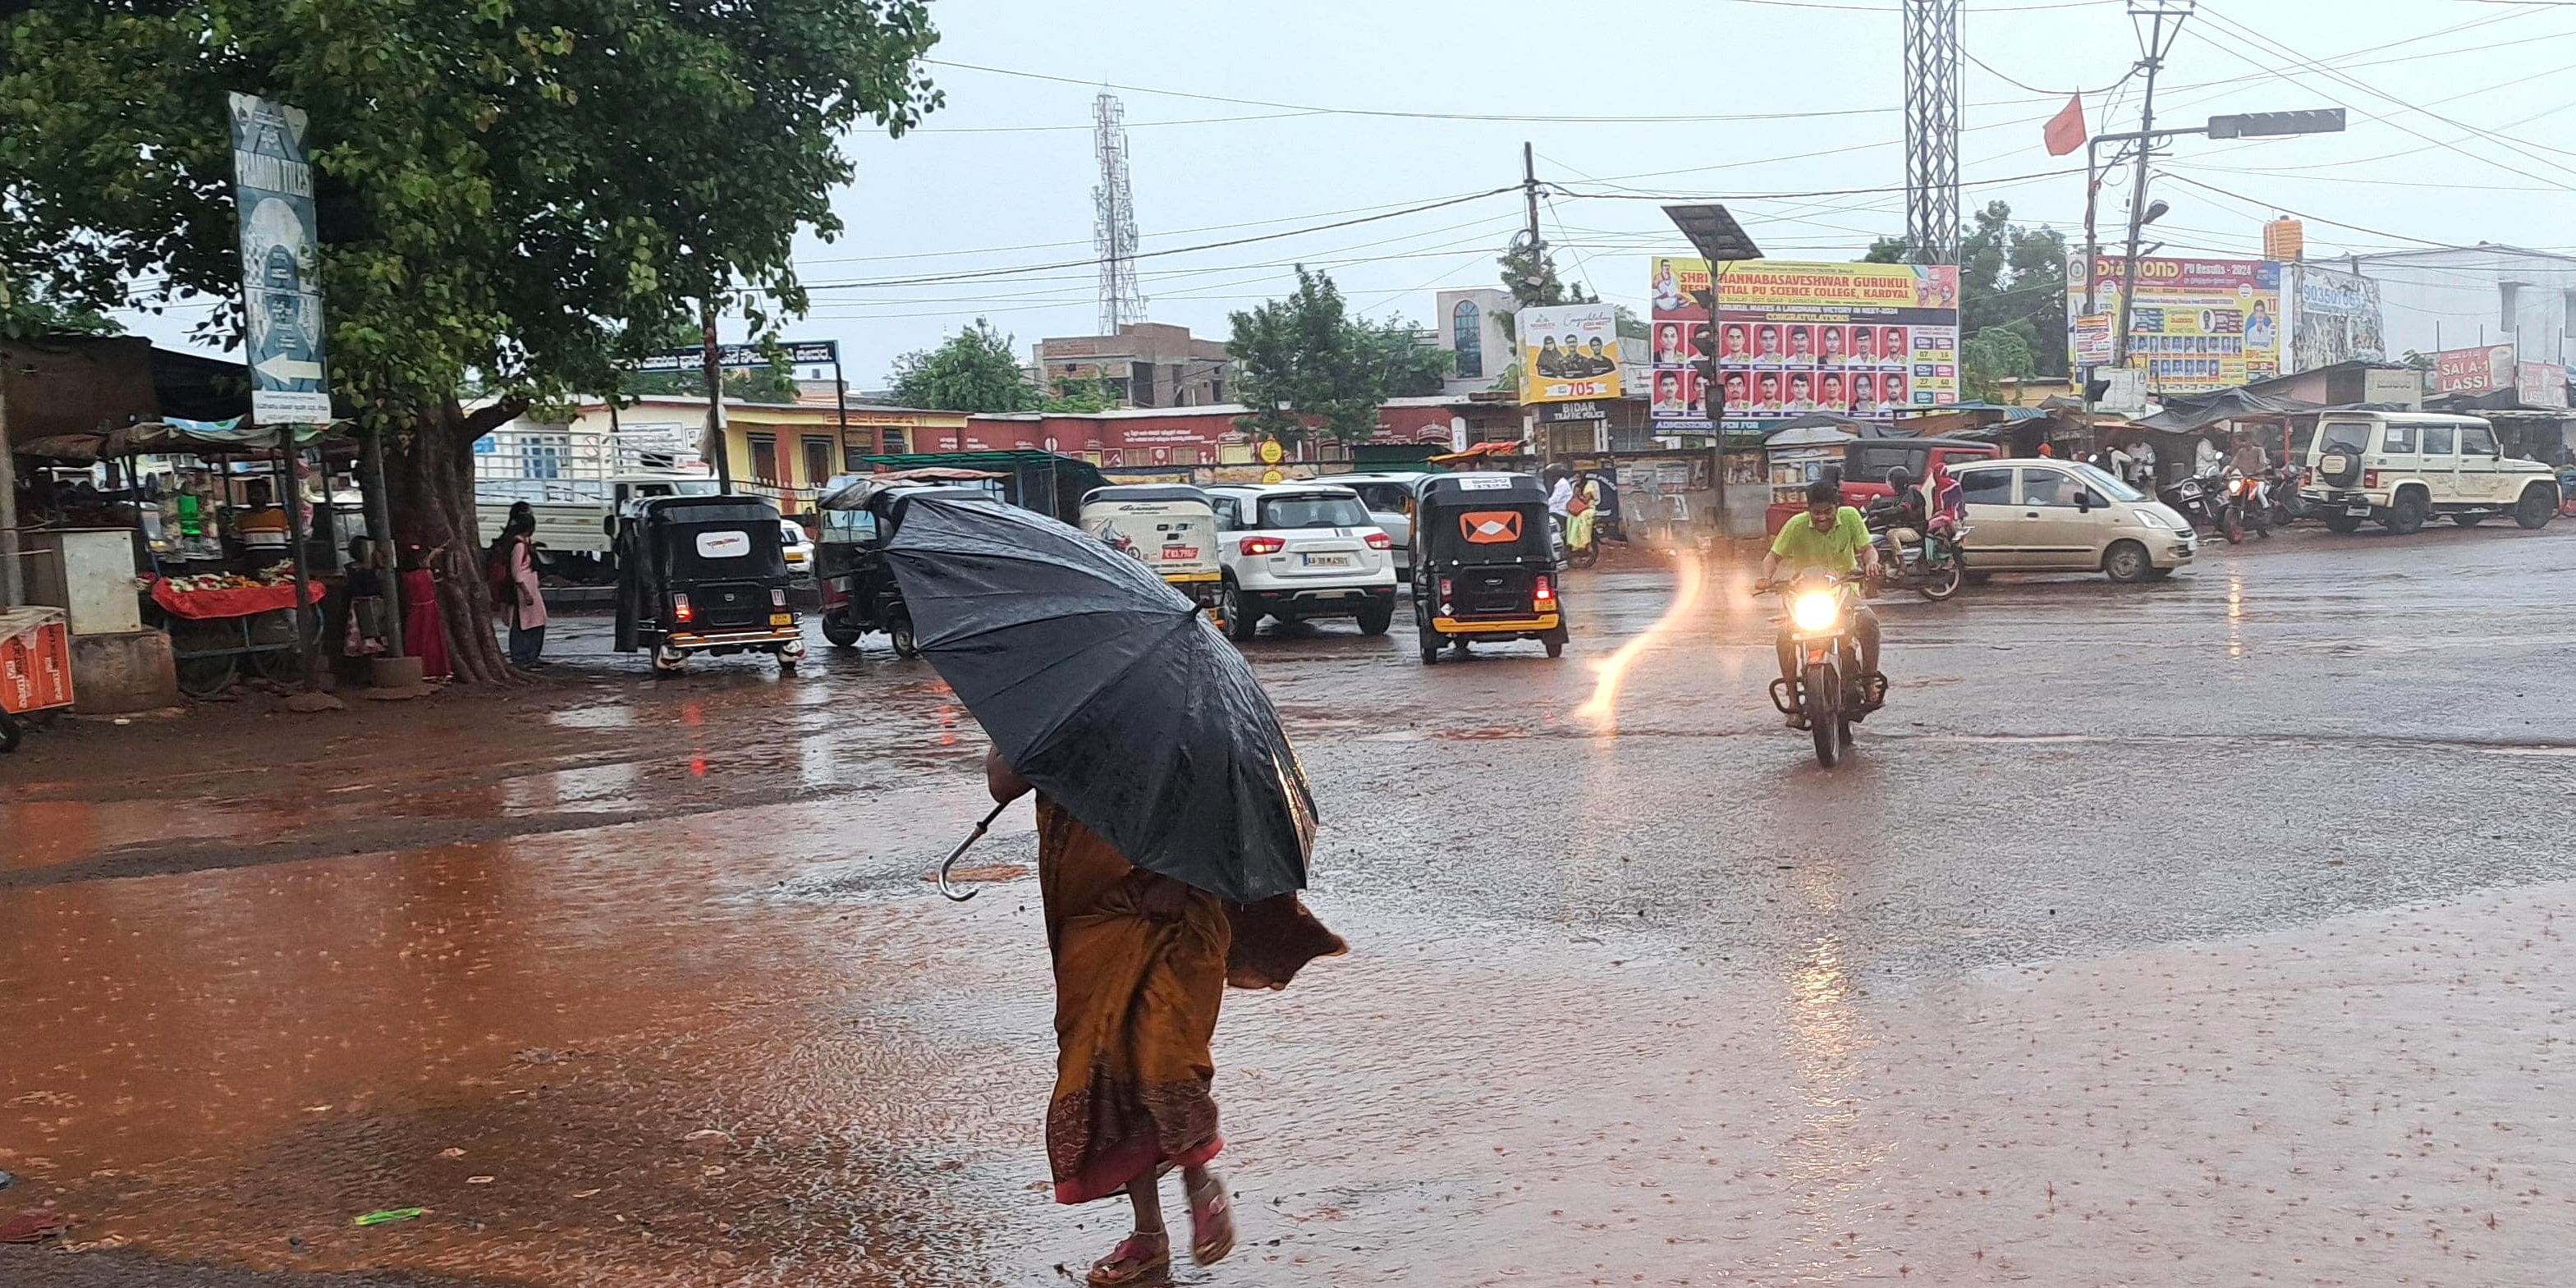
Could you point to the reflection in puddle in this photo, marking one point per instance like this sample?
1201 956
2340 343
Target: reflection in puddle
43 833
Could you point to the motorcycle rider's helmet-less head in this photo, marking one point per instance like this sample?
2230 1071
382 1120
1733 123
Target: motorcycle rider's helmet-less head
1824 496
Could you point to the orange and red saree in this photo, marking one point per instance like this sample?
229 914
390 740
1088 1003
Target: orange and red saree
1141 966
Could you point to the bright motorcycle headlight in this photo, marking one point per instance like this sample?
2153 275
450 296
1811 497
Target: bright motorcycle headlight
1816 611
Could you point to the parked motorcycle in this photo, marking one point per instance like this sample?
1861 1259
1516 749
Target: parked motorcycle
2282 485
1831 693
2196 498
1934 566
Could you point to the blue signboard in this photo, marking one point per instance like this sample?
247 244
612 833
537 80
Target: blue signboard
281 263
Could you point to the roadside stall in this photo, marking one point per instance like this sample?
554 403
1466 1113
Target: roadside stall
181 538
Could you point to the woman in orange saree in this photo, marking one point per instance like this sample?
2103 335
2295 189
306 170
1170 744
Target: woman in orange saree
1141 965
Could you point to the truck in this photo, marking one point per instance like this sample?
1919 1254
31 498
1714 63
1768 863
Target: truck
577 482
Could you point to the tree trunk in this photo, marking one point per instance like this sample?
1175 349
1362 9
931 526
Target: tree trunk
431 474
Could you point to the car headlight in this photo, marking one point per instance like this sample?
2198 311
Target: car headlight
1816 610
2153 518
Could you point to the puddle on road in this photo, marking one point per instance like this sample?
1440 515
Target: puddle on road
207 1063
42 833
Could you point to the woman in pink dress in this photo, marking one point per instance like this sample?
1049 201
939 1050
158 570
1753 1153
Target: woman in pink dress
522 602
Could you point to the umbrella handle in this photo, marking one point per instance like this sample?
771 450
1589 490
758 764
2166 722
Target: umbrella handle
953 855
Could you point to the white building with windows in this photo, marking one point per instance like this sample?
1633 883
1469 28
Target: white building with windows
2462 297
1470 327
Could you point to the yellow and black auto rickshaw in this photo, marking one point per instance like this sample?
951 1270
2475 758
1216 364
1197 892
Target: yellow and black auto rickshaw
1484 565
703 574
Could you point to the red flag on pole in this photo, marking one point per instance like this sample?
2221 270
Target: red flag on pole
2065 131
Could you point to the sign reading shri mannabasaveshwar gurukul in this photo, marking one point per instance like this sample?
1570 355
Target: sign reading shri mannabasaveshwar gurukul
281 263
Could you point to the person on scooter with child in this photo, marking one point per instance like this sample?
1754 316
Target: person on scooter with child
1833 538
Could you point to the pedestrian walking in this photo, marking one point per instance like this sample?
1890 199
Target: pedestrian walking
1174 830
1142 962
2144 450
512 566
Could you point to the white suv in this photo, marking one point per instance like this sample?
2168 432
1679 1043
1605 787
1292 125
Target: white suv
1301 550
2402 468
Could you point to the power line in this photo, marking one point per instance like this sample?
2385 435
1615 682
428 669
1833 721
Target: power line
2262 43
934 278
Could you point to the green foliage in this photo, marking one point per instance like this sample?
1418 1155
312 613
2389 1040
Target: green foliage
1072 396
26 316
1305 358
974 370
1529 273
1413 369
2008 273
529 189
1993 356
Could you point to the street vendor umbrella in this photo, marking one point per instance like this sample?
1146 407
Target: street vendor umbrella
1104 688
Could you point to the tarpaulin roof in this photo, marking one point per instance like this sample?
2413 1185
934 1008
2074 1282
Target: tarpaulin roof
2184 413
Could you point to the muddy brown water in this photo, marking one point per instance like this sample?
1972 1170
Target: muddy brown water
648 989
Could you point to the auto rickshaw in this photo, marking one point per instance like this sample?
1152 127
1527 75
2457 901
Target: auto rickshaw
703 574
859 513
1168 527
1484 564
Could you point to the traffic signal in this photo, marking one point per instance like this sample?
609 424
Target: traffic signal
2260 125
1711 384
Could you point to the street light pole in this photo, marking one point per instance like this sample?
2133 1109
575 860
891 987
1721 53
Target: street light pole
2155 49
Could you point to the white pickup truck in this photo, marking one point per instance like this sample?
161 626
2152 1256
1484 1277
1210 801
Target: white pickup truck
577 481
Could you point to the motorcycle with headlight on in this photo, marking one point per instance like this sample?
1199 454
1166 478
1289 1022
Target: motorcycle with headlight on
1831 693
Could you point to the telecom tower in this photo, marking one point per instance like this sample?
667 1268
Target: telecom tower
1932 131
1113 221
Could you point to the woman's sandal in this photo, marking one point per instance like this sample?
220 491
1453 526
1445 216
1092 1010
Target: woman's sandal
1211 1221
1138 1256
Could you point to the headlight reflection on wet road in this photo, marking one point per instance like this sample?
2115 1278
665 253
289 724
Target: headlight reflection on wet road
1603 707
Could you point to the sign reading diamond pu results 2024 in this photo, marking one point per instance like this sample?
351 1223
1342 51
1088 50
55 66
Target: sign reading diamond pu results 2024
2196 325
1857 340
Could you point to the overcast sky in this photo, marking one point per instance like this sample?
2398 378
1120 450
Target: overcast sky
2458 134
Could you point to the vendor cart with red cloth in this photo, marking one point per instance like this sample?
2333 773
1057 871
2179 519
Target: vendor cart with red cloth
213 630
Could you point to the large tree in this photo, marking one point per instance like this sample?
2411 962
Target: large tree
972 370
1306 359
2011 276
527 191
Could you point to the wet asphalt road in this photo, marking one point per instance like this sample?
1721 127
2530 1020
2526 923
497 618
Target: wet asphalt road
2202 932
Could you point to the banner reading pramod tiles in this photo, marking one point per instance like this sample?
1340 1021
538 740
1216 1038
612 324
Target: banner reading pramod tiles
1860 340
2196 325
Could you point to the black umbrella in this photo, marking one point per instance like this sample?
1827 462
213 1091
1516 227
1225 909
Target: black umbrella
1105 689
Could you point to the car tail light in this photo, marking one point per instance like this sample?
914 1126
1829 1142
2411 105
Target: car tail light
1263 545
1546 593
2370 478
680 610
778 597
1380 541
1444 588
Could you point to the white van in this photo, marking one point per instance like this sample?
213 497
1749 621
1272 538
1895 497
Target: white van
2402 468
2043 515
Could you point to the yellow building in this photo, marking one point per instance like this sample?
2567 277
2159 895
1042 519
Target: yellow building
783 451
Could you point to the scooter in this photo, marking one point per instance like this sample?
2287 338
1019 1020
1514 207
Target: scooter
1934 566
2197 499
1831 693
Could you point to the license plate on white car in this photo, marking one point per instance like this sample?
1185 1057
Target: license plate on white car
1327 561
2357 511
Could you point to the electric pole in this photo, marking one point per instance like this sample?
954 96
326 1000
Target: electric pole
2159 41
1529 198
714 365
